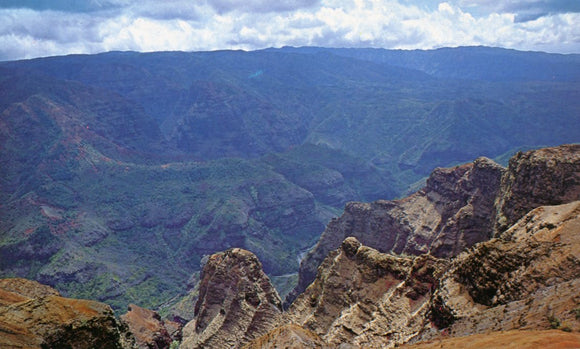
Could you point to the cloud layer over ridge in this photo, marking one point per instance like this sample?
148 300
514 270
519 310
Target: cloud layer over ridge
33 28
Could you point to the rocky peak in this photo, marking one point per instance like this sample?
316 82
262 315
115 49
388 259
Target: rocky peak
549 176
236 303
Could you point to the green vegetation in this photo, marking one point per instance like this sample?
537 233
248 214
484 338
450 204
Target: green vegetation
131 179
554 322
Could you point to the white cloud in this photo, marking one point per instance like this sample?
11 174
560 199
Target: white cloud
525 10
260 6
228 24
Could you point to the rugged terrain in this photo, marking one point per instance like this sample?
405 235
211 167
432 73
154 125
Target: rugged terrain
457 208
522 278
510 287
120 172
527 279
449 215
236 302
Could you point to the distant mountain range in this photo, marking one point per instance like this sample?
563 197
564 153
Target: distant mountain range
120 172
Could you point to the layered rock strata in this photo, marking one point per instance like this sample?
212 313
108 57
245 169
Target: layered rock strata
447 216
458 208
366 298
549 176
236 304
527 279
289 336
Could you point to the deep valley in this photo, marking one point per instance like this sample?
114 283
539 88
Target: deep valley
123 175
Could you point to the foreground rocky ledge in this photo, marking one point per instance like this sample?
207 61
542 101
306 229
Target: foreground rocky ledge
34 315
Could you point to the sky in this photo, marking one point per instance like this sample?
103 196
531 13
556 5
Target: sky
39 28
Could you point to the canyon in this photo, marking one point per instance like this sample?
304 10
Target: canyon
292 196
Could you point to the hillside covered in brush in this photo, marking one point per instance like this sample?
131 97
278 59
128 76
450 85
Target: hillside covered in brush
120 172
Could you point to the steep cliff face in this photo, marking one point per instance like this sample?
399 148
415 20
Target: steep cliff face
236 303
528 278
289 336
447 216
366 298
458 207
549 176
35 316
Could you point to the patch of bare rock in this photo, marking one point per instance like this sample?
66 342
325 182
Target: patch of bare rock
35 316
237 302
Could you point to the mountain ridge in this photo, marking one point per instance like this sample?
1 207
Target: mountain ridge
157 159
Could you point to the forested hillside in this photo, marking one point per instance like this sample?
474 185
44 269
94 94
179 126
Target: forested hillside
120 171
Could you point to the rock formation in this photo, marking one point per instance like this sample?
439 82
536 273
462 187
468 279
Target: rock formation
447 216
367 298
35 316
458 208
549 176
150 331
528 278
236 304
288 336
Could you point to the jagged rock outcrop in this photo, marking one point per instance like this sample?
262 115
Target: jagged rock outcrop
236 304
150 331
289 336
33 315
528 278
458 207
549 176
447 216
524 278
366 298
